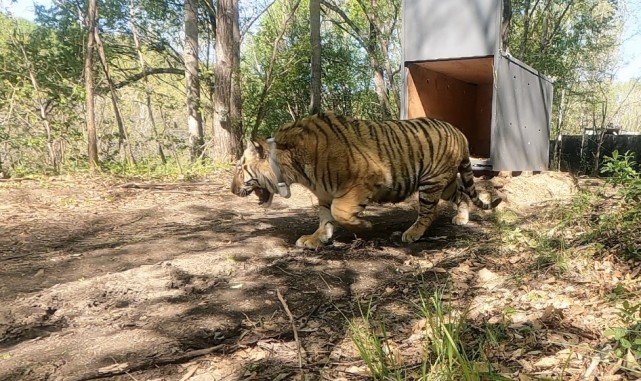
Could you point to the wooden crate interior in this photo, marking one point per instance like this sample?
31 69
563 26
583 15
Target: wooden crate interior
458 91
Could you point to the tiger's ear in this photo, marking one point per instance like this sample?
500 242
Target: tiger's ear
255 149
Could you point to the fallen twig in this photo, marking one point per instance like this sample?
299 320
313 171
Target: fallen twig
293 323
15 180
190 372
118 369
160 186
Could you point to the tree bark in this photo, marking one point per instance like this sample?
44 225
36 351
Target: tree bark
601 137
236 91
194 118
315 42
506 19
141 61
227 124
380 87
92 140
526 29
556 158
123 141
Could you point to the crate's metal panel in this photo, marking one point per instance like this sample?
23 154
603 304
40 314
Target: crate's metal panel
450 29
523 109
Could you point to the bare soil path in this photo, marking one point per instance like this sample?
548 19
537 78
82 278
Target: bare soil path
105 279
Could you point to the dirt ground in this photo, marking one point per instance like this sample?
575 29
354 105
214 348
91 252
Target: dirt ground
101 278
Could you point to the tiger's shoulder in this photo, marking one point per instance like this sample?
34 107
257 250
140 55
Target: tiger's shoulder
309 126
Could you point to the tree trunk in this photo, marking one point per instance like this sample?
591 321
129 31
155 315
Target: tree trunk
194 118
141 60
506 18
393 87
556 158
227 126
92 140
380 88
315 43
597 155
123 141
526 29
236 100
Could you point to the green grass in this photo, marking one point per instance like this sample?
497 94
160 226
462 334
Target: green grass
154 170
373 345
144 169
445 353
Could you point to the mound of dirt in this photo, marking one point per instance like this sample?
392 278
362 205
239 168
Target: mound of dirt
524 191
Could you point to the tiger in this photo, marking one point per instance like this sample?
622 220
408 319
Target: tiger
348 163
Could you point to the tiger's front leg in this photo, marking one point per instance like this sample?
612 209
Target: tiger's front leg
347 209
325 230
428 197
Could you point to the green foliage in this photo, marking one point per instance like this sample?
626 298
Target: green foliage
621 169
573 42
605 223
153 169
346 75
628 337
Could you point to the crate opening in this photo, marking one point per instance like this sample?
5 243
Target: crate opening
458 91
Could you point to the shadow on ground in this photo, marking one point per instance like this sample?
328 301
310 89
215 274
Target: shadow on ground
118 290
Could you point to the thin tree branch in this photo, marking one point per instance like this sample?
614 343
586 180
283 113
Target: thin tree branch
148 72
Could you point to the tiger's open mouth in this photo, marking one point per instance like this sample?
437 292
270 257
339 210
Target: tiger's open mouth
264 196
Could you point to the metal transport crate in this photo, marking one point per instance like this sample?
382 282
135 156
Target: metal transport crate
455 70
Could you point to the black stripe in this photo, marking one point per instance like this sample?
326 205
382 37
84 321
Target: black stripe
374 136
430 148
387 158
431 141
300 170
396 162
327 183
413 178
423 201
440 149
316 153
320 130
338 131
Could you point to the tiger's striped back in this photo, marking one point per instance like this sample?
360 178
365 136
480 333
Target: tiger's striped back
407 153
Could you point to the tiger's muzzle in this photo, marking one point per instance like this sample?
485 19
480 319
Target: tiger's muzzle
244 189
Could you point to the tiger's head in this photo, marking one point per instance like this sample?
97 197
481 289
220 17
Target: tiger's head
253 174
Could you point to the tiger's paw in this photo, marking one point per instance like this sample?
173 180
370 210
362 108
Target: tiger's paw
412 235
311 241
460 219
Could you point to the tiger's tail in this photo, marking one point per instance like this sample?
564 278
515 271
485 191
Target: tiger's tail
467 177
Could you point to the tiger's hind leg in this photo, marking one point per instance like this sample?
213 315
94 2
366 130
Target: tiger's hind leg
454 193
429 194
325 230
